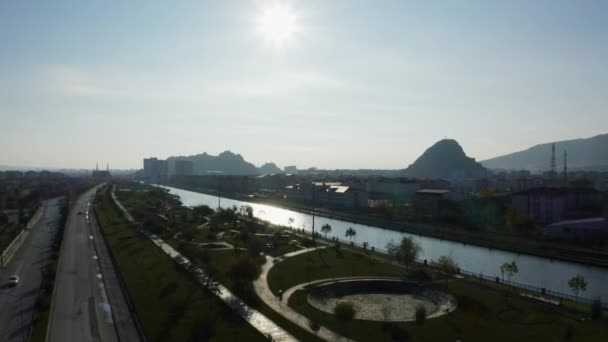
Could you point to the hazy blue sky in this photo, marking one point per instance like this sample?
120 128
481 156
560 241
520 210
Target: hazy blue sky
360 84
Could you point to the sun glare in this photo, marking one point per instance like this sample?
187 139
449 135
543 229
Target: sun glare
277 23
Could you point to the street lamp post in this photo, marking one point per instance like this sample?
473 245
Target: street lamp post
313 211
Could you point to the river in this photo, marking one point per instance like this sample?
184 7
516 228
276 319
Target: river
533 270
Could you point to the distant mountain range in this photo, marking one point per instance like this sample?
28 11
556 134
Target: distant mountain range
583 154
227 163
445 159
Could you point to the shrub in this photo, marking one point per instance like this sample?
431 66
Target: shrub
569 333
420 314
596 310
398 333
418 274
344 311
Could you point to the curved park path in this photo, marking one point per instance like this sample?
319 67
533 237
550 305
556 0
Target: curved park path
280 306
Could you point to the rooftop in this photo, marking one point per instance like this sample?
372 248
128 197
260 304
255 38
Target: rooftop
579 221
433 191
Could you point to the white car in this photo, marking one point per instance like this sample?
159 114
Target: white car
13 280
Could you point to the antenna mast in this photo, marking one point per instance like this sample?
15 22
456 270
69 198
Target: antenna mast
553 171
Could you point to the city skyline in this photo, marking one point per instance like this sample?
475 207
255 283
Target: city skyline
332 85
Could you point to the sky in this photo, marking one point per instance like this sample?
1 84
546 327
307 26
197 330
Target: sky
331 84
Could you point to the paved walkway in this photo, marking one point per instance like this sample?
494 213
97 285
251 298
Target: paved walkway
445 303
263 291
225 245
260 322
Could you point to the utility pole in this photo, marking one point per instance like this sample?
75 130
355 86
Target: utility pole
553 166
565 168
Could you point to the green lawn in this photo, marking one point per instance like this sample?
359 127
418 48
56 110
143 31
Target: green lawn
325 263
483 315
169 303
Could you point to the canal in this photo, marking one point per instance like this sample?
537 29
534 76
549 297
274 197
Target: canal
533 270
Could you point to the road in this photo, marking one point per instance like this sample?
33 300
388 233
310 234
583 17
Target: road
88 303
17 303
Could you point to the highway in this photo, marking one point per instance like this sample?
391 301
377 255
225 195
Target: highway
88 303
17 303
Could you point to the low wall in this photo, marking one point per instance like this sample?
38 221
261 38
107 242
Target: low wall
12 248
355 286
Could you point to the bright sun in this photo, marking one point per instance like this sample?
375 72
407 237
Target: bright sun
277 23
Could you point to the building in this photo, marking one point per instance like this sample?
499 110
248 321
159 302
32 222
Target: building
156 171
430 201
549 205
101 175
331 194
392 188
291 170
184 168
594 228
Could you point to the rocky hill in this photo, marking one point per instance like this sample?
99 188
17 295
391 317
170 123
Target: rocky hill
445 159
269 168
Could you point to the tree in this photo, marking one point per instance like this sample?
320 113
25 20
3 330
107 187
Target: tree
201 211
255 247
406 252
203 330
420 314
577 284
447 266
351 233
326 229
246 210
290 221
243 273
509 268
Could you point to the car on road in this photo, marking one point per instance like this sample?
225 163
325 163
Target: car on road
13 280
80 213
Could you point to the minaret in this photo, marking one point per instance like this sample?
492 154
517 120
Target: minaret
565 168
97 166
108 167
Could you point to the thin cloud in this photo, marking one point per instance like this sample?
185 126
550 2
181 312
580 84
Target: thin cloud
106 82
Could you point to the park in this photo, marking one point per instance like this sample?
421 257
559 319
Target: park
322 289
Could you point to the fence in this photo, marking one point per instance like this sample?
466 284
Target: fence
539 290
